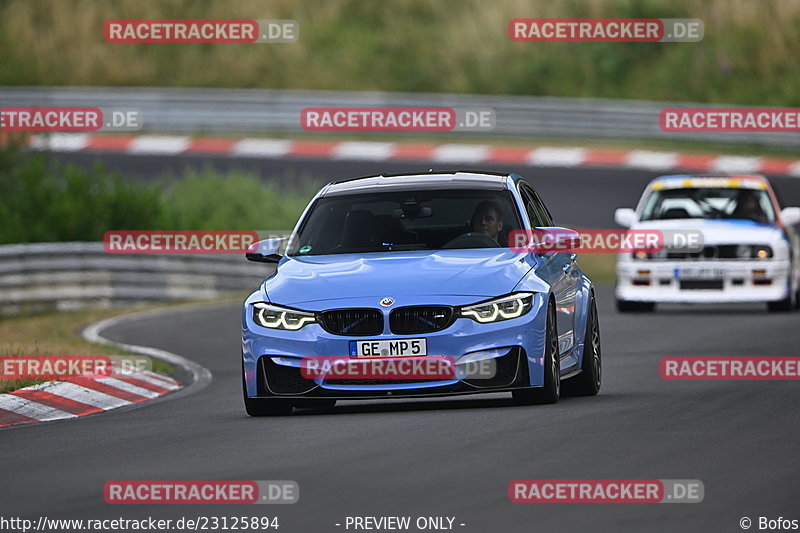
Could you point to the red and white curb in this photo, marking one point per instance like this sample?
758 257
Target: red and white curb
546 156
77 397
81 396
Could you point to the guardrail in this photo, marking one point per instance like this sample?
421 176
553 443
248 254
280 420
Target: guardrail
263 111
70 275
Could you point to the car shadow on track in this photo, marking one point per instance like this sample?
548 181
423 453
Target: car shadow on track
672 310
444 404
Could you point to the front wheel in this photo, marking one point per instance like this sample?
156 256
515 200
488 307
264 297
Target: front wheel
587 383
551 390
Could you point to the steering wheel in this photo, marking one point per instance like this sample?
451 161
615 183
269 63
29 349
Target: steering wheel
471 240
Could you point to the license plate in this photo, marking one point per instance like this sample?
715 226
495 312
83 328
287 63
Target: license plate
699 273
389 348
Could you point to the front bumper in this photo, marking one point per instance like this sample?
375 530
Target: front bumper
271 358
723 281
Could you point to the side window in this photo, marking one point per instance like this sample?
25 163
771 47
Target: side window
542 209
529 202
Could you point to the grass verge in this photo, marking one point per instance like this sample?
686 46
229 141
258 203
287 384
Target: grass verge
58 334
598 267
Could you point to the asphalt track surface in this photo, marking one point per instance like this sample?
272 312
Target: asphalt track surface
448 457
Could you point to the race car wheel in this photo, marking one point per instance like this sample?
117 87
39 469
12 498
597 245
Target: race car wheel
551 389
626 306
782 306
587 383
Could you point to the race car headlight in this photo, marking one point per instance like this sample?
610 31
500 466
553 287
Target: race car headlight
753 252
505 308
762 252
276 317
743 252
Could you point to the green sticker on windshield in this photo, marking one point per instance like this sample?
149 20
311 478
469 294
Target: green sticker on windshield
305 249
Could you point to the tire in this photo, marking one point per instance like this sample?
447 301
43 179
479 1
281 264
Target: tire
587 383
264 406
551 390
627 306
782 306
786 305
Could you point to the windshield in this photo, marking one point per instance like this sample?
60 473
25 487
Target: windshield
407 220
724 203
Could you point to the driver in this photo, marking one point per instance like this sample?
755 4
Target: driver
748 207
487 219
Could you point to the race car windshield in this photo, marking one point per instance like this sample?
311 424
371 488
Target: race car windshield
709 203
407 220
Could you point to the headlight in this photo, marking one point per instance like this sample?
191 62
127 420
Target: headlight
753 252
504 308
762 252
743 252
276 317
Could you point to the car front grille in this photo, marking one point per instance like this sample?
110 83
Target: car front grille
367 381
352 321
722 251
420 319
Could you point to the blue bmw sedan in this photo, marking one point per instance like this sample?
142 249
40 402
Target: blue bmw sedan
384 273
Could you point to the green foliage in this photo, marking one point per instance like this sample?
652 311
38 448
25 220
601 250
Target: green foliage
748 55
46 202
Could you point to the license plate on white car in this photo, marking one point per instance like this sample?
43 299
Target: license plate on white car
389 348
702 273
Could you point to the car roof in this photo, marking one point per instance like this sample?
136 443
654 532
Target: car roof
460 179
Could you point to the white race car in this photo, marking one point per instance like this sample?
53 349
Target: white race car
750 250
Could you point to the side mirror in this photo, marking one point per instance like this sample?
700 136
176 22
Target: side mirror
625 217
553 239
790 216
266 251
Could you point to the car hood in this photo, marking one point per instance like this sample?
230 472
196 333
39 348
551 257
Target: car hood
719 231
483 272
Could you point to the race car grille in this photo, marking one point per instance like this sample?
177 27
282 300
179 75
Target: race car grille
722 251
285 379
360 382
420 319
352 321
